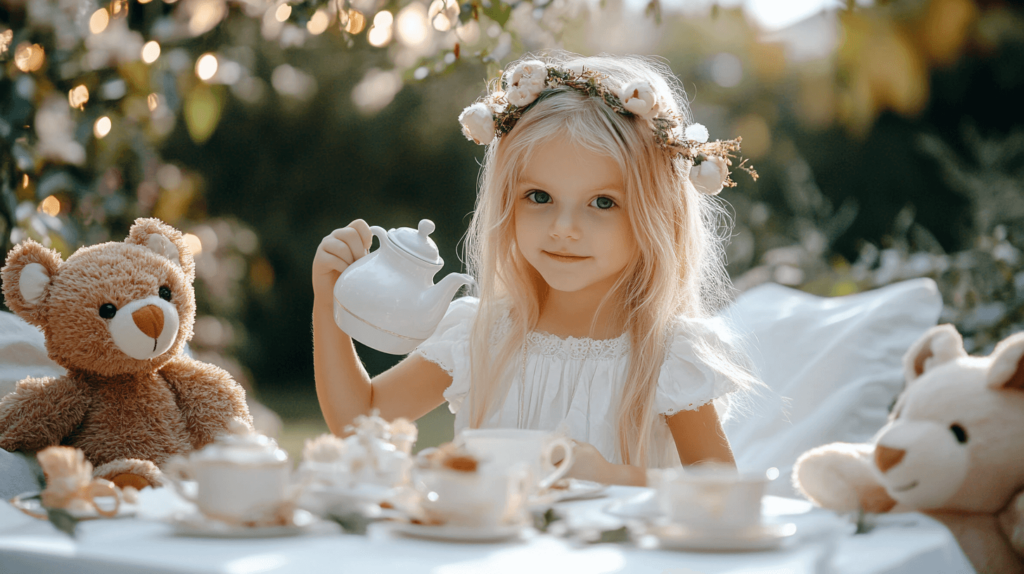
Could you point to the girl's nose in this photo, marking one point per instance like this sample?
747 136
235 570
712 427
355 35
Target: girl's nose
565 225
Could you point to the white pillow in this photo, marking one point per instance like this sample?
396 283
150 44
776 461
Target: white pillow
834 367
22 353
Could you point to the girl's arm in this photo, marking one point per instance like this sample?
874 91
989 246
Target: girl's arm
410 389
699 438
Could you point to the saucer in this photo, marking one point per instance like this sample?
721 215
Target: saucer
455 533
31 504
766 536
574 490
195 524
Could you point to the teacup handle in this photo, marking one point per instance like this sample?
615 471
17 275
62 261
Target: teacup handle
563 467
173 470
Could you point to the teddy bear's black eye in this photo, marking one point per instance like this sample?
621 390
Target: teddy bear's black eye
959 433
107 311
165 293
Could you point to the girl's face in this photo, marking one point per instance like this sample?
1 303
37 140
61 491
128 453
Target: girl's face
571 222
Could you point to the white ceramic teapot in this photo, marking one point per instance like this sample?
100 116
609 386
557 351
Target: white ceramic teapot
388 300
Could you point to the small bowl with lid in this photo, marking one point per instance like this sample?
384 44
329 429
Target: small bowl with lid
242 477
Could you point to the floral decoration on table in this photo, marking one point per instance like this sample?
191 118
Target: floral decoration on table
377 453
448 456
71 493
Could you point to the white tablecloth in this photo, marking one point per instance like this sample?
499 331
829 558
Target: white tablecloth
900 544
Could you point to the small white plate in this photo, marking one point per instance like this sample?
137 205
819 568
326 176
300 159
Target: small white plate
197 525
452 533
575 490
766 536
29 503
642 506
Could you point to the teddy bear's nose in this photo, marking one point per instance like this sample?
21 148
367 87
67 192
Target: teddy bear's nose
149 320
886 458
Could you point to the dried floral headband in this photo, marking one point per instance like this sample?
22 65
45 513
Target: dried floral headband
497 113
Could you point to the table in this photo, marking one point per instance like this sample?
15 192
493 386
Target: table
900 544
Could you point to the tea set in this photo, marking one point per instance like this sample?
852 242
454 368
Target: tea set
481 487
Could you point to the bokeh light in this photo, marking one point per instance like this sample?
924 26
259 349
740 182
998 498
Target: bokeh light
206 66
99 20
152 101
380 33
411 27
319 22
726 70
102 127
283 12
29 57
78 96
50 206
150 51
355 23
193 243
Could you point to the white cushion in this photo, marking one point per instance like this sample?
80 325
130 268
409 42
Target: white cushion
22 353
833 365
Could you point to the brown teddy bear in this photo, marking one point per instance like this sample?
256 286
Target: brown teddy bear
117 317
952 449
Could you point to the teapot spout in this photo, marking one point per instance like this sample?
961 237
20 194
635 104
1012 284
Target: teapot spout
440 295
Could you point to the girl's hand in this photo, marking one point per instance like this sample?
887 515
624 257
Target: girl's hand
589 464
336 252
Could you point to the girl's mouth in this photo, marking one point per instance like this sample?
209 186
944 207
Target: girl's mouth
565 257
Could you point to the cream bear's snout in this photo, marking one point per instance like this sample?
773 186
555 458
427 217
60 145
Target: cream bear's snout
145 328
920 463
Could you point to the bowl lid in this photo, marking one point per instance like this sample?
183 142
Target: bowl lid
417 242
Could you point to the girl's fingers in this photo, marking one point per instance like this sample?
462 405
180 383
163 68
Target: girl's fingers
350 236
339 254
365 234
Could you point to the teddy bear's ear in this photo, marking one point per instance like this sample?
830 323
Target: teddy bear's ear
26 277
1007 369
939 345
163 240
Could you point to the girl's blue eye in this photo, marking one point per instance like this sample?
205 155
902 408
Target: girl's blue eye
603 203
539 197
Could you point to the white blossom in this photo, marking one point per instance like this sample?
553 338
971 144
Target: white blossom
709 176
696 132
526 83
478 123
639 98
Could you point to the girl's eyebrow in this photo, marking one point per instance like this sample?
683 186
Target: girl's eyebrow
605 188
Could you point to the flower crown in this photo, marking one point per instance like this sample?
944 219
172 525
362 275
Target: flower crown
497 113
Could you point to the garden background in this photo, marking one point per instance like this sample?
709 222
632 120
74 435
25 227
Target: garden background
889 137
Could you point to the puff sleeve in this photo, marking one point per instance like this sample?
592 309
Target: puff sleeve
448 347
690 379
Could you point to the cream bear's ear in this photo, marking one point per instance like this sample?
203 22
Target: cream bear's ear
26 276
1007 369
165 241
939 345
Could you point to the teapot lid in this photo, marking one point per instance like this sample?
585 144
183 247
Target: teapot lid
417 242
242 446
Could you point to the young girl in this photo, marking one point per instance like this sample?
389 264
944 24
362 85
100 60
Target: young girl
595 244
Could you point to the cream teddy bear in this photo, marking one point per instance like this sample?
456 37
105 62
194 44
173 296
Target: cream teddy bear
953 448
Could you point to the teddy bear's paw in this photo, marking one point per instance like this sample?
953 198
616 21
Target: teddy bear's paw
876 499
130 472
133 480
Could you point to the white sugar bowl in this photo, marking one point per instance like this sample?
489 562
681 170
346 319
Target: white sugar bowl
239 478
387 300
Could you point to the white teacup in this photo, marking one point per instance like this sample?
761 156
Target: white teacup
711 498
536 449
239 478
484 498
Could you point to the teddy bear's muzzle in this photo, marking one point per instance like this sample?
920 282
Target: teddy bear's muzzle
145 328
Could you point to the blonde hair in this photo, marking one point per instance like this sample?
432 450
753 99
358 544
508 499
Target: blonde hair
680 235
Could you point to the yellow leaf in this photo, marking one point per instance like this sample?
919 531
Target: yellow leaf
202 111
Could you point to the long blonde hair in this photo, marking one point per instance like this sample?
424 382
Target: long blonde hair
680 233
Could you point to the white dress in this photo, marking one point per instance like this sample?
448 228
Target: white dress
575 384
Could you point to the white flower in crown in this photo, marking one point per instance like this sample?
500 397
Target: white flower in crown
478 123
639 98
697 133
526 83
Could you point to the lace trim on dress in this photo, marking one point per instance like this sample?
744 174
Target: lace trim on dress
434 355
577 348
690 407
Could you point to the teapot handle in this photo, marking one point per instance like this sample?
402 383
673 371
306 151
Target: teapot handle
174 470
380 233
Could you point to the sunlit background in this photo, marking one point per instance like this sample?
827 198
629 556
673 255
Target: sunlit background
888 136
